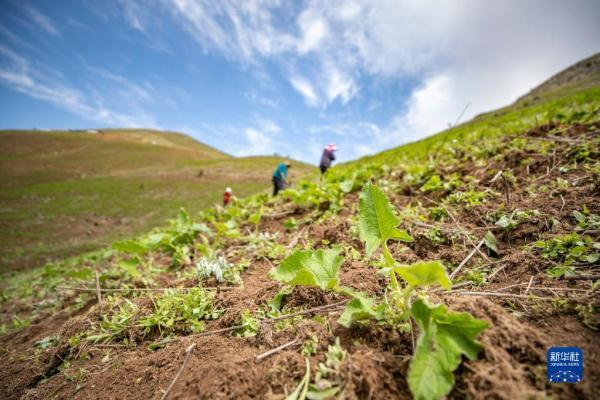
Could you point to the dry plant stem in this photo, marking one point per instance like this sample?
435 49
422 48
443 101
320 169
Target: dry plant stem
500 294
548 139
466 235
309 311
294 241
457 286
496 176
188 353
506 192
471 254
497 271
98 294
268 261
275 350
86 289
529 286
581 277
228 329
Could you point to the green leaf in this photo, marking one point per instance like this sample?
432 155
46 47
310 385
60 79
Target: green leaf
300 392
377 221
424 273
307 268
255 218
130 266
445 337
347 185
81 274
434 183
276 302
456 332
130 247
357 309
490 241
428 375
315 394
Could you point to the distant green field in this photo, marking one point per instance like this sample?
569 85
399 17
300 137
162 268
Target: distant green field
63 193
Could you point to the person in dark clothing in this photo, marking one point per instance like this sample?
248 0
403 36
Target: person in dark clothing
327 157
227 197
280 177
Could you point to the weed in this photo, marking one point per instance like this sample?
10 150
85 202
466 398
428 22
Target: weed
218 268
251 325
565 250
184 312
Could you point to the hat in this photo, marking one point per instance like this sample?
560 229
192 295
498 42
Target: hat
228 190
331 147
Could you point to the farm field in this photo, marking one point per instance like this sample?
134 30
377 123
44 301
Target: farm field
445 268
64 193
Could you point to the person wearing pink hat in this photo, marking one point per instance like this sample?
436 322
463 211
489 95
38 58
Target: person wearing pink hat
327 157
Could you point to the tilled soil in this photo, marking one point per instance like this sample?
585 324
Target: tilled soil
511 366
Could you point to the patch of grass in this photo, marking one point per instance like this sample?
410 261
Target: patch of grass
65 193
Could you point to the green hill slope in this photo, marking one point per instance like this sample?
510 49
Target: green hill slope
575 88
62 193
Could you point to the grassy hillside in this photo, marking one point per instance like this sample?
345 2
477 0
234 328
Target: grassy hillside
575 88
62 193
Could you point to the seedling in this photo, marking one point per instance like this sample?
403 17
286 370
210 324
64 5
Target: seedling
566 250
445 335
218 268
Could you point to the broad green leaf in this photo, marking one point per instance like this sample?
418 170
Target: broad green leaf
347 185
424 273
445 337
82 274
377 221
130 266
434 183
456 332
428 376
152 241
276 302
307 268
255 218
490 241
357 309
183 217
130 247
321 394
300 392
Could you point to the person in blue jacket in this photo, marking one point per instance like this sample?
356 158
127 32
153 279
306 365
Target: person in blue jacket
280 177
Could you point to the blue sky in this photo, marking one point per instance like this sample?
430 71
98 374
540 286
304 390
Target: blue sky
263 76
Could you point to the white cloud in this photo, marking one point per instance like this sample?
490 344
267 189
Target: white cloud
136 15
339 85
240 30
258 143
267 126
19 74
41 20
313 31
304 87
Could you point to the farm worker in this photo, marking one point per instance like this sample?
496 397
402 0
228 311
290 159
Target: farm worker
280 177
227 197
327 157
